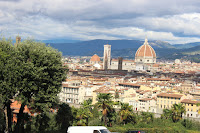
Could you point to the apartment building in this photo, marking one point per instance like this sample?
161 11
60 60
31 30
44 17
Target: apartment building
192 108
144 104
165 101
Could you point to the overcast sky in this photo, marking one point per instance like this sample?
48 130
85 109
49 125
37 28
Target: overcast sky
175 21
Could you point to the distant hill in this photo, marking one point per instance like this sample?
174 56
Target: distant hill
128 48
192 51
88 48
186 45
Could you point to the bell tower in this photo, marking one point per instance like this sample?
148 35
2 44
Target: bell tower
18 40
107 57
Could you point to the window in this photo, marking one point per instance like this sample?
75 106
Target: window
104 131
95 131
191 104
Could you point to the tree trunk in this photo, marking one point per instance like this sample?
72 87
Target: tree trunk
9 115
19 128
105 120
5 112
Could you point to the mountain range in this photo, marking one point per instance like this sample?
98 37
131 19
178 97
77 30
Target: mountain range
127 48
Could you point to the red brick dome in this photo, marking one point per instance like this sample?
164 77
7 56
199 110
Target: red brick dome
95 58
145 50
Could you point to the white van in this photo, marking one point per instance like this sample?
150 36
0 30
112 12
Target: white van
87 129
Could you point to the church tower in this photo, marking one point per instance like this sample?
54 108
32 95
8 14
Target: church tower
18 40
107 57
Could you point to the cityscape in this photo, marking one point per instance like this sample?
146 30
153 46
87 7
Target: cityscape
99 66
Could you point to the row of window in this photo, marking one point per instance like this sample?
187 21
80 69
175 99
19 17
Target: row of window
167 101
169 97
72 90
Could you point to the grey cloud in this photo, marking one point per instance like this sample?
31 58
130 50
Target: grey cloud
100 18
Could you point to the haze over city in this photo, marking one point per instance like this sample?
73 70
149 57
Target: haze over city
174 21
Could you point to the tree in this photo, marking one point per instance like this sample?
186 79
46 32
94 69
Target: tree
41 75
147 117
177 112
82 116
9 65
167 114
105 103
126 113
87 104
64 116
2 121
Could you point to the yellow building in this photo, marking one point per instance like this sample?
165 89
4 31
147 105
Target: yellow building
192 110
165 100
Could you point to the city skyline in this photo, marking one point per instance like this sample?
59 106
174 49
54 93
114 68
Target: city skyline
173 21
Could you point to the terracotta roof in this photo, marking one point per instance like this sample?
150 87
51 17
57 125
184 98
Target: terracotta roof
145 99
159 79
130 84
144 91
155 65
138 91
133 95
189 101
145 50
169 95
180 72
95 58
128 61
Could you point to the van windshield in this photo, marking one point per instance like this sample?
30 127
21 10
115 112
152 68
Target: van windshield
105 131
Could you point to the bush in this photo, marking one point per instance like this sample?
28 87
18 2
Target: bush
95 122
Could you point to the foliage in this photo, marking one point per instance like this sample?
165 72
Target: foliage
8 69
2 120
177 112
126 113
9 65
64 116
147 117
41 75
106 105
167 114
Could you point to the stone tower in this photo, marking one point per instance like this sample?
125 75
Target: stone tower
18 40
120 61
107 57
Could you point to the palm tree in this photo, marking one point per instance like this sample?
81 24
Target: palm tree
167 114
105 103
126 112
82 116
177 112
87 104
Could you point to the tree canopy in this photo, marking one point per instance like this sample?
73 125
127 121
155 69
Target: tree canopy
31 73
